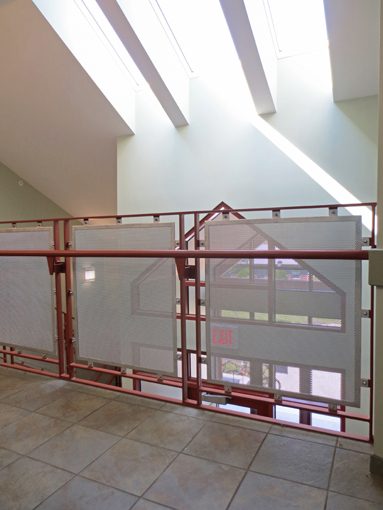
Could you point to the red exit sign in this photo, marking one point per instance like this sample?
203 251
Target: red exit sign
224 337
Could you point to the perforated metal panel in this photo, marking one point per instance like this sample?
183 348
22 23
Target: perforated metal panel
26 293
126 311
288 326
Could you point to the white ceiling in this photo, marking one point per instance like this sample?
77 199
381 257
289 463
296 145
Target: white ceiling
57 130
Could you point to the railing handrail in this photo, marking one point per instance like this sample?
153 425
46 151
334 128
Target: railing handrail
198 254
224 210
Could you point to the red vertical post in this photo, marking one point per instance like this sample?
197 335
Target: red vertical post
59 309
69 302
183 304
372 336
198 310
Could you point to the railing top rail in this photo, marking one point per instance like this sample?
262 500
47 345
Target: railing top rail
199 254
202 211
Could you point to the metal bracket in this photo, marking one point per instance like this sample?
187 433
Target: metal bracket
86 221
200 243
216 399
333 211
366 241
227 388
278 398
333 408
156 219
276 213
202 302
365 383
225 216
119 220
366 314
55 266
178 301
190 272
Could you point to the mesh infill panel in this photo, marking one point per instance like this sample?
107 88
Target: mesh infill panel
288 326
126 306
26 295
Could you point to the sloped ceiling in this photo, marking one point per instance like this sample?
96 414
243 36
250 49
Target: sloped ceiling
353 32
57 130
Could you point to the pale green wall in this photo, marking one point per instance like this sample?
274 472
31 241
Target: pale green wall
221 155
23 202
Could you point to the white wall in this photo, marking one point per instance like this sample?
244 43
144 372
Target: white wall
223 156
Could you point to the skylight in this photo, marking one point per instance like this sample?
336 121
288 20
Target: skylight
109 38
175 23
298 26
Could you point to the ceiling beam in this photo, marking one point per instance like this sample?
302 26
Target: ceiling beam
144 38
258 61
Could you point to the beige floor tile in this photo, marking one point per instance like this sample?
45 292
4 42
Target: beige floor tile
6 457
341 502
186 411
130 466
29 432
82 494
295 460
146 402
21 374
356 446
196 484
314 437
10 385
73 406
26 482
117 418
35 395
74 448
261 492
351 476
144 504
223 443
246 423
93 390
168 430
10 414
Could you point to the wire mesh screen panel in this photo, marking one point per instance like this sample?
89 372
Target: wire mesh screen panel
286 326
126 307
26 292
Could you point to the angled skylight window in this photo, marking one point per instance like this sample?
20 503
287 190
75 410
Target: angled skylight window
97 19
298 26
177 25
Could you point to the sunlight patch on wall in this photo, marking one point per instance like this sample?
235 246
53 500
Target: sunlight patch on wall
313 170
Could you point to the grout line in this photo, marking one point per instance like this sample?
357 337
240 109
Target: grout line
330 475
237 489
54 492
288 480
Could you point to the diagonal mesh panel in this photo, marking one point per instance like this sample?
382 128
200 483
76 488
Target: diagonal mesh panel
126 306
288 326
26 293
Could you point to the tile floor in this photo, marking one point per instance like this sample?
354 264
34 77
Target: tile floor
70 447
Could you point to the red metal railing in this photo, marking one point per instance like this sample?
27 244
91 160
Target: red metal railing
59 263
